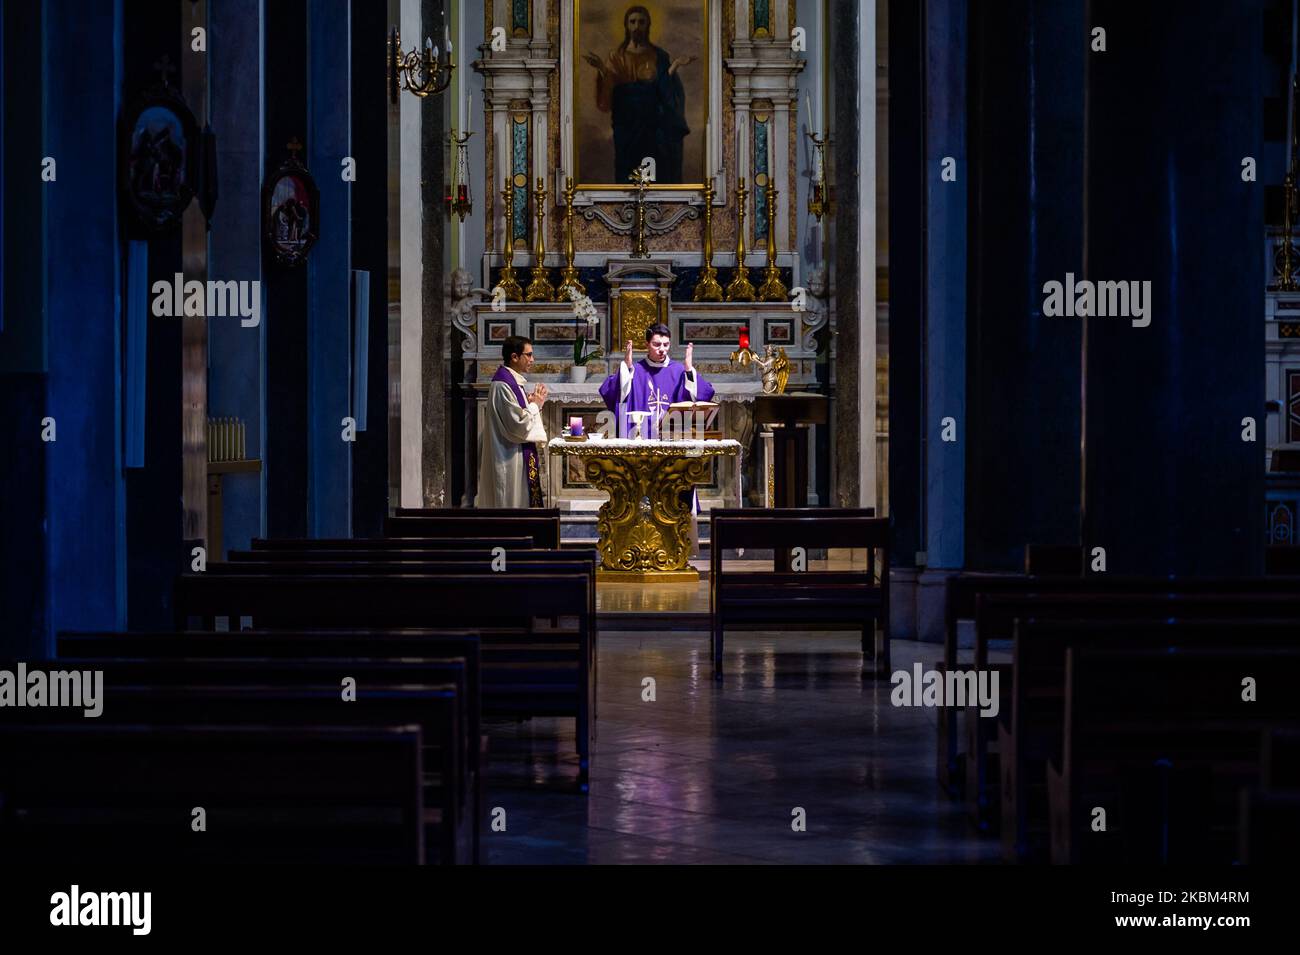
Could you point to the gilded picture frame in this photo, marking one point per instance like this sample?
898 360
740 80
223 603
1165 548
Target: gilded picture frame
594 150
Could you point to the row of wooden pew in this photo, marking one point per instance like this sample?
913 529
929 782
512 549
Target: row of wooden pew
318 701
1136 718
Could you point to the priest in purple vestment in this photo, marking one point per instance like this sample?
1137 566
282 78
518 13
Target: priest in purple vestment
652 384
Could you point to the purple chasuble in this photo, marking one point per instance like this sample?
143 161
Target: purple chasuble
528 449
653 390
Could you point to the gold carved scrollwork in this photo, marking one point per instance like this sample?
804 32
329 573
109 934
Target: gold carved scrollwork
644 527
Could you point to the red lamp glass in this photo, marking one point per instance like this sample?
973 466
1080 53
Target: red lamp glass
744 338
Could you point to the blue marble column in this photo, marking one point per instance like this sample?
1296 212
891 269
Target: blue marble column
329 115
944 346
1173 106
236 373
85 490
1023 387
23 543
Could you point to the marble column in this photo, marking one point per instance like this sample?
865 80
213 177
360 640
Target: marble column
236 383
1026 147
329 301
1173 106
85 489
435 421
853 57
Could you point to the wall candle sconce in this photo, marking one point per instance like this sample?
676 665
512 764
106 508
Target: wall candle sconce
424 74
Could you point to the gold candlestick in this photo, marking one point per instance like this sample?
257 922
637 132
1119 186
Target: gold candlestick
740 289
506 280
707 288
540 288
1287 266
772 289
569 276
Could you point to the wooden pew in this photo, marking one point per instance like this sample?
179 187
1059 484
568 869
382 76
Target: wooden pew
370 649
369 675
428 555
963 589
97 792
540 524
323 658
1031 729
511 543
1163 742
995 616
433 709
1279 759
531 686
330 560
818 600
1269 827
1270 812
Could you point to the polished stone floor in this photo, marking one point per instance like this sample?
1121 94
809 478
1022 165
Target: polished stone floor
713 773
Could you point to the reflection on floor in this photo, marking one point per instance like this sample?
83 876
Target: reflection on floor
613 597
713 773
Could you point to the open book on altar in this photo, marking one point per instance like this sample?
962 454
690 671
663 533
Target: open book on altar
691 419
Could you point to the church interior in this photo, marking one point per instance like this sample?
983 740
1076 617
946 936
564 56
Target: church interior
963 531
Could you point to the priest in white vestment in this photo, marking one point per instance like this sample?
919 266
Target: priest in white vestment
508 463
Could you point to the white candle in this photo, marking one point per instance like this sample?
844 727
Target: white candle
469 113
812 128
771 150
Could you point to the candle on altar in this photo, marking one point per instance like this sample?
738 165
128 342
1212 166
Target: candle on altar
771 151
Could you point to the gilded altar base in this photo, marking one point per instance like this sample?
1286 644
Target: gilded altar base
644 527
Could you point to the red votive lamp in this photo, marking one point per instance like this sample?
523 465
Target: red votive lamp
575 427
744 338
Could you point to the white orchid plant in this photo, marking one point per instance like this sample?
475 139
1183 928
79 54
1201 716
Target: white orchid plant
585 313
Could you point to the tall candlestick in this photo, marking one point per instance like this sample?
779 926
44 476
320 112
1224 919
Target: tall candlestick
740 289
540 288
707 288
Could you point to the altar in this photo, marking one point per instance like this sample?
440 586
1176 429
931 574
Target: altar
714 328
645 525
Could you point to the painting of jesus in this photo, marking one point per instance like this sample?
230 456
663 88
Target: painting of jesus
641 91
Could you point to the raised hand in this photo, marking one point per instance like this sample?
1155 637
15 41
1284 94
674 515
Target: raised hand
679 63
690 356
594 60
628 357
